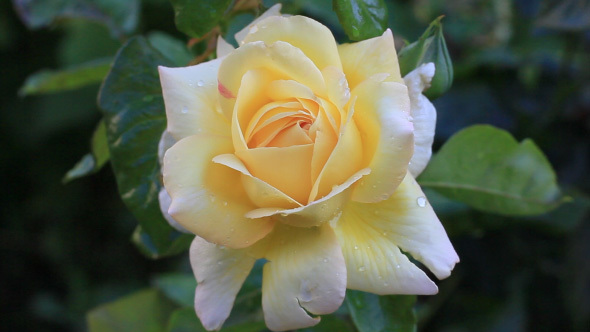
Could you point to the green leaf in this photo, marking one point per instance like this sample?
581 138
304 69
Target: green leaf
331 323
373 313
131 101
179 287
172 48
185 320
146 311
489 170
196 18
430 47
566 15
94 161
51 81
361 19
178 243
120 17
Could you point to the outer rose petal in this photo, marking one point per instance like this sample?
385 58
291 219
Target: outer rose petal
423 115
366 58
223 47
310 36
190 96
165 200
305 272
220 273
205 197
370 235
382 116
272 11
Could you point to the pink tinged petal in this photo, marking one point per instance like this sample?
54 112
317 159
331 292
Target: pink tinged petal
366 58
272 11
423 116
305 272
260 192
223 48
382 117
190 97
205 197
324 210
310 36
412 224
220 273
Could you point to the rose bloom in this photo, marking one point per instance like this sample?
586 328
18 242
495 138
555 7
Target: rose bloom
297 150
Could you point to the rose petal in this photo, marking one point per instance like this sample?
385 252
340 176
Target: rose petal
288 169
345 159
190 98
280 60
326 209
310 36
220 273
366 58
205 198
260 192
382 116
165 200
371 235
223 47
423 116
272 11
415 228
305 273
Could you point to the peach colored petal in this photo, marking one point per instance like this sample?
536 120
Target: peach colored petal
310 36
220 273
280 60
190 98
205 198
382 116
305 273
287 169
324 210
260 192
366 58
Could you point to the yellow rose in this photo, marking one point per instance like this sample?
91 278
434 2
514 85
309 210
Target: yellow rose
295 149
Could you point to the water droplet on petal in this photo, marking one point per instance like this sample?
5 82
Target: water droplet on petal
356 247
184 110
397 266
421 201
224 203
326 260
253 29
362 269
200 83
220 263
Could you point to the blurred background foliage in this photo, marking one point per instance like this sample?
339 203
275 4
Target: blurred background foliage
520 65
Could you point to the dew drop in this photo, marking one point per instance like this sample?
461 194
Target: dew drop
224 203
212 198
326 260
397 266
220 263
421 201
184 110
221 247
356 247
253 29
385 284
362 269
200 83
